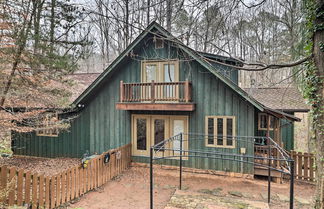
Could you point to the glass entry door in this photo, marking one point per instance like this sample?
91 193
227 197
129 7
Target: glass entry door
149 130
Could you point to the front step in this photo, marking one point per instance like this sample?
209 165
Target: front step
261 171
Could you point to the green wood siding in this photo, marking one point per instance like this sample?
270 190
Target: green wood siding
100 126
287 134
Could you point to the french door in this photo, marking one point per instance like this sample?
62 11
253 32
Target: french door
162 72
149 130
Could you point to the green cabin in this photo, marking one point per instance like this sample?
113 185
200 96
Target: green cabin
155 89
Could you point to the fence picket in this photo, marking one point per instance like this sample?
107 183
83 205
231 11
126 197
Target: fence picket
306 167
12 188
85 178
47 192
58 190
41 191
52 191
77 182
81 181
3 182
68 185
72 183
311 170
34 194
300 165
27 187
20 182
63 180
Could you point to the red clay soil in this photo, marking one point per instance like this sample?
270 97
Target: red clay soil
46 166
131 189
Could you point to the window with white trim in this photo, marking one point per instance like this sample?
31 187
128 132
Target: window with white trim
220 131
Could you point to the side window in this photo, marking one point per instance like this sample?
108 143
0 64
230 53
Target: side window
47 127
220 131
263 122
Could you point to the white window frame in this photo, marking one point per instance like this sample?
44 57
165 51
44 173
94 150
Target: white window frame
224 145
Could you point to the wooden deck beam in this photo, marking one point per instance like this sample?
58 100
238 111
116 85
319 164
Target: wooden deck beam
156 106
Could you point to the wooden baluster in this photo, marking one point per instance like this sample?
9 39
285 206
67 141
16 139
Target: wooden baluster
152 92
300 165
187 91
311 168
121 91
306 166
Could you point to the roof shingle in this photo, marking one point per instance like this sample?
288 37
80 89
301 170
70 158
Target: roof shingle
284 99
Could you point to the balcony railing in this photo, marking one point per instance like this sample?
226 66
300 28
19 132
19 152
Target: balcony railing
156 92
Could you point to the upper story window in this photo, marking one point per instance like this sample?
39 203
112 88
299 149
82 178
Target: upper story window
159 43
166 71
47 127
220 131
263 121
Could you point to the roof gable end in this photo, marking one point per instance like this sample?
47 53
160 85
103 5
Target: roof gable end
198 57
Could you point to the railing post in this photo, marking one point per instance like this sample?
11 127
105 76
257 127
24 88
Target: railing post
121 88
152 92
186 93
180 179
151 178
292 176
269 171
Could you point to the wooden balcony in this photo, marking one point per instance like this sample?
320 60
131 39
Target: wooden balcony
168 96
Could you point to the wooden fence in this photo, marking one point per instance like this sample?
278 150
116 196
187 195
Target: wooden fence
20 187
304 165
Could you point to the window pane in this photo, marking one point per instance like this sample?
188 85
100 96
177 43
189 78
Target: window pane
229 131
178 127
159 127
263 122
141 134
210 129
169 73
271 122
151 72
220 131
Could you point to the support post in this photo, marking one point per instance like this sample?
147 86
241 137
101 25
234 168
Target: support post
180 183
151 178
269 171
292 177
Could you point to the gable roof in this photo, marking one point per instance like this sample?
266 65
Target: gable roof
198 57
81 82
284 99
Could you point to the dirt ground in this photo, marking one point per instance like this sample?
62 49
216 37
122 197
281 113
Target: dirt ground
47 166
131 190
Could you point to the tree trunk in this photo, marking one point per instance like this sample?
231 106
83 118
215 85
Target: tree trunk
21 43
169 14
52 31
148 12
318 52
